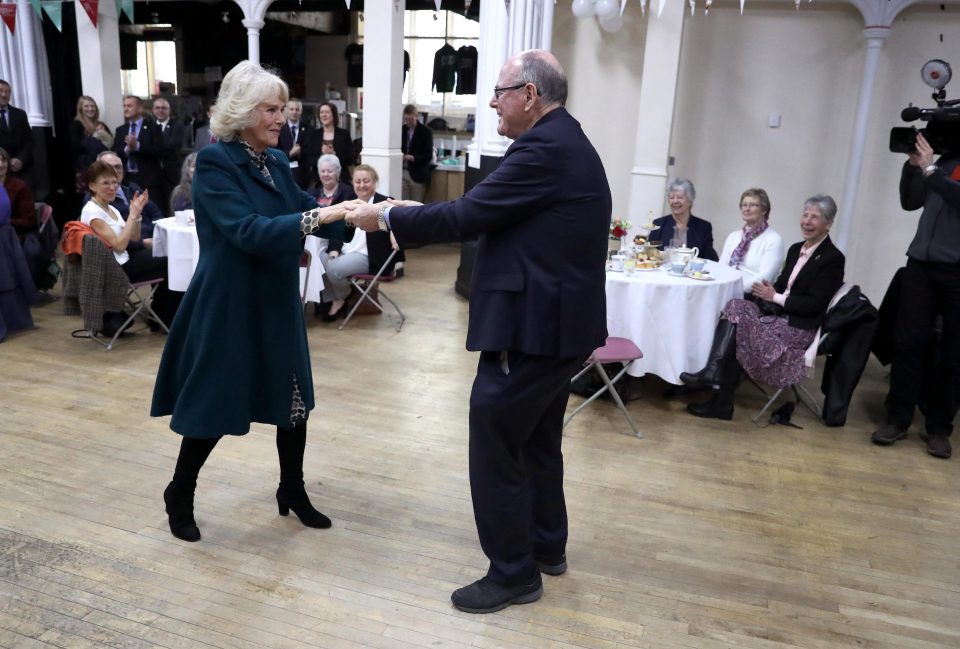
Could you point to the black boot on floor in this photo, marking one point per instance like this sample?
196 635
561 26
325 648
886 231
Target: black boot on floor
179 502
291 493
724 339
720 404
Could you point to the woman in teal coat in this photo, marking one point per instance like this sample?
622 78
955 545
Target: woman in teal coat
237 350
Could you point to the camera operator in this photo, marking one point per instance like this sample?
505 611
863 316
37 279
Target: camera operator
931 287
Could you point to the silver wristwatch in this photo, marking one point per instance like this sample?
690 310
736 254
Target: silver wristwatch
929 169
381 219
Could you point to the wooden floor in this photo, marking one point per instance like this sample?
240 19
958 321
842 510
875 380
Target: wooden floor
704 534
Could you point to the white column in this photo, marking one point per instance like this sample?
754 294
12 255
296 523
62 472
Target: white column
527 25
658 90
253 13
382 89
875 38
253 38
100 60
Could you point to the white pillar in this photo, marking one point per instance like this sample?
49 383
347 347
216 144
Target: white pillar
875 38
658 90
253 38
382 89
100 61
253 13
527 25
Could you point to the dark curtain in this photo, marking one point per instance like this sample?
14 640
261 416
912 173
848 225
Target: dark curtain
63 59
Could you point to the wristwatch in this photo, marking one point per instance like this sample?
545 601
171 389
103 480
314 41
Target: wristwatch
929 169
381 219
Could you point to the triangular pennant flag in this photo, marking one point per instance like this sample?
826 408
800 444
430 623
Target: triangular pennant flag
466 6
437 3
742 2
623 5
9 14
91 7
54 10
348 5
663 3
126 7
36 8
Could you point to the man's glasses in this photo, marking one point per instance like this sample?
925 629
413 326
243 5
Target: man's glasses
498 92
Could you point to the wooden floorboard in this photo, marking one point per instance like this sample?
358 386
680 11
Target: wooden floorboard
702 535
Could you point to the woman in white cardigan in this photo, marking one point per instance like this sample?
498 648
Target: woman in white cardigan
755 250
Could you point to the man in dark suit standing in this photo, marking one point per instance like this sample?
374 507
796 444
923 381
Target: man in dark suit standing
416 143
15 135
293 134
137 143
537 310
170 132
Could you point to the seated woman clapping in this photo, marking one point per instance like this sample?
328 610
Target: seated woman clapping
360 252
768 334
755 250
106 221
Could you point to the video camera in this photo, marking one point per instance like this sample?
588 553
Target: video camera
943 122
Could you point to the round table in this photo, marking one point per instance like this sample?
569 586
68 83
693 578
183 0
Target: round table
670 318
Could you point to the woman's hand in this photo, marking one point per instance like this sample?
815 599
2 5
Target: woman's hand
327 148
331 213
137 203
763 290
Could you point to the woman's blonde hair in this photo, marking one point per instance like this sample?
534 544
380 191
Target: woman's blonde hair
243 89
89 125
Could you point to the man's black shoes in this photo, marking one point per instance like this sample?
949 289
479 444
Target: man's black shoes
888 434
485 596
939 446
552 566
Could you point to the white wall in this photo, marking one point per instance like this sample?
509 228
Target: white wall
735 70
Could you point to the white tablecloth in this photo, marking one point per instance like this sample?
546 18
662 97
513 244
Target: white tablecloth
180 245
671 319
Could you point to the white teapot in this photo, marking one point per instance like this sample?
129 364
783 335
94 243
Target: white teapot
682 256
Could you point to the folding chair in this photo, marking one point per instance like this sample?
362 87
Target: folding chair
365 283
801 394
614 350
141 307
305 259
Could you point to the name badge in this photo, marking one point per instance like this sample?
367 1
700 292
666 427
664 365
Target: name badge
294 164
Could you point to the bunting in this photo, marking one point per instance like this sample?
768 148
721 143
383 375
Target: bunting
91 7
125 8
54 11
36 8
9 14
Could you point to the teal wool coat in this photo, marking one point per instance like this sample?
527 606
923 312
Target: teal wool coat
239 336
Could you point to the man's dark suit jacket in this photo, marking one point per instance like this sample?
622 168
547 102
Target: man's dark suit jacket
147 155
18 139
168 151
542 219
421 148
814 287
302 173
699 234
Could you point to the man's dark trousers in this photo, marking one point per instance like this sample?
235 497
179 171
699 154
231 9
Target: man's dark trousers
516 465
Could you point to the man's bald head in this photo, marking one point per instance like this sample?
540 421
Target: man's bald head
542 69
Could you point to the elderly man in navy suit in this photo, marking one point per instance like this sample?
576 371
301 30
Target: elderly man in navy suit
537 310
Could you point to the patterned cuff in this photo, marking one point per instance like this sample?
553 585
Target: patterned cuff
309 222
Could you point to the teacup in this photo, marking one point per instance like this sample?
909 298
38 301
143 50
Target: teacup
616 262
677 267
696 265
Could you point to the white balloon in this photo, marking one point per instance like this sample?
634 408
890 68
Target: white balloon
607 8
611 24
583 8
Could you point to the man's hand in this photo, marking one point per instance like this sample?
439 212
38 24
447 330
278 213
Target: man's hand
295 151
132 142
923 154
363 215
399 203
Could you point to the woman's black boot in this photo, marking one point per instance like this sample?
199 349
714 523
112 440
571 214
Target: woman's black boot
724 338
720 403
291 494
178 496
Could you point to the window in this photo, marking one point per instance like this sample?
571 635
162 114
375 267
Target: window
426 32
159 64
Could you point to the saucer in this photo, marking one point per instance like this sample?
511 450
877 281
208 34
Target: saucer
702 278
673 274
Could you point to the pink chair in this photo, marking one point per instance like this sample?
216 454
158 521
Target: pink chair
615 350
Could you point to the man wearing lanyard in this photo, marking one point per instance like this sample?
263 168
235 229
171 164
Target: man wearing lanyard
292 134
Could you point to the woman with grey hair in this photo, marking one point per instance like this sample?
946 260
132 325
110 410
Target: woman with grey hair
768 334
237 350
182 196
681 225
329 190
